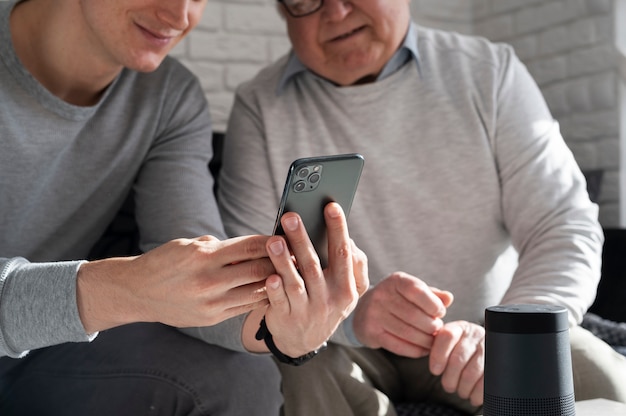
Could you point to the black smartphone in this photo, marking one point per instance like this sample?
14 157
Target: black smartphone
312 183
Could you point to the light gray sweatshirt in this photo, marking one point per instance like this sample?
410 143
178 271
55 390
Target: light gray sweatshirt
465 169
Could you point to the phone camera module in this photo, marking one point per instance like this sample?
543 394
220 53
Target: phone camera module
314 178
299 186
304 172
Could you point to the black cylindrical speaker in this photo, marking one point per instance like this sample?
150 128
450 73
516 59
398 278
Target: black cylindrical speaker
528 362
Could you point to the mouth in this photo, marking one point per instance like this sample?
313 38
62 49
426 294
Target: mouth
348 34
156 36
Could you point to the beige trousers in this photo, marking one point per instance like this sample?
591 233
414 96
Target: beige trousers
343 381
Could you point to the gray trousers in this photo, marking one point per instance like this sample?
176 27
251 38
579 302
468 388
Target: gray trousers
139 369
343 381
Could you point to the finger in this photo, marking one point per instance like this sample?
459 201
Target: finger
242 309
291 284
408 333
339 247
401 347
412 316
246 272
470 376
360 268
478 393
237 249
446 297
420 295
459 360
443 345
246 295
307 259
277 296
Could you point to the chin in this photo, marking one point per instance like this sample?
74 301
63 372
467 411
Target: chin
145 64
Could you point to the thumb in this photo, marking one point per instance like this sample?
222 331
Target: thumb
276 294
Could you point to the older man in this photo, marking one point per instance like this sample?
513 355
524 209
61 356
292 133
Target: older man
469 191
91 108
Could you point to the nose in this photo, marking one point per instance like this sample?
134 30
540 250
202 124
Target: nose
336 10
175 13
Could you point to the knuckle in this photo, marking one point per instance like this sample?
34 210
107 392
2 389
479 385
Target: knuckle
343 251
295 288
252 247
259 268
311 269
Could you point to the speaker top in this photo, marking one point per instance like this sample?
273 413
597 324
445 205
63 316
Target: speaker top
526 319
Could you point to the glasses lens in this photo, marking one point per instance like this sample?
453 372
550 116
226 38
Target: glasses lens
299 8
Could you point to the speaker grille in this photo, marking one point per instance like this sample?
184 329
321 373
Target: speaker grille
505 406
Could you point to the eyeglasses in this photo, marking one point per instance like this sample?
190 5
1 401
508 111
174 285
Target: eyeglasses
301 8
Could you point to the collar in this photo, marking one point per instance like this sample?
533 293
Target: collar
407 51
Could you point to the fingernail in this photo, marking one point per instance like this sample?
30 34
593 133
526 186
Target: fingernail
273 284
333 211
290 223
277 247
437 369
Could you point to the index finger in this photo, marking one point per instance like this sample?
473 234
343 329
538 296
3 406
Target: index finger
339 244
422 296
238 249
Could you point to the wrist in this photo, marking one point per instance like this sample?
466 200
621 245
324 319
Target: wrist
264 334
99 300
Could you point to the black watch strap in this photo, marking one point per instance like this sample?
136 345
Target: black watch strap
264 334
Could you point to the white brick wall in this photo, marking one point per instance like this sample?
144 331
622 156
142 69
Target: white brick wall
569 47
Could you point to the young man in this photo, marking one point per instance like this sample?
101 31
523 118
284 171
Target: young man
464 165
92 107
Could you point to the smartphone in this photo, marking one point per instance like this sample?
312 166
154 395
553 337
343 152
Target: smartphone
312 183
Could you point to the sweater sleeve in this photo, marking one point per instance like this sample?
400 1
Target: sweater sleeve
38 306
553 224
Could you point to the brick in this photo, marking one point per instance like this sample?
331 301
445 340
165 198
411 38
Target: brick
556 97
496 28
526 47
212 17
608 152
548 70
592 59
227 48
211 75
238 73
547 14
599 6
590 125
254 19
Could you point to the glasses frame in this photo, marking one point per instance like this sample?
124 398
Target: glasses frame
301 15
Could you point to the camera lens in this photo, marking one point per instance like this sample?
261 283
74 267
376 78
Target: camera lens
314 178
299 186
304 172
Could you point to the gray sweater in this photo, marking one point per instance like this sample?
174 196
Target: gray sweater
465 173
65 171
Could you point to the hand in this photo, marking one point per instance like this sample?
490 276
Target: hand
401 314
185 282
458 355
307 304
